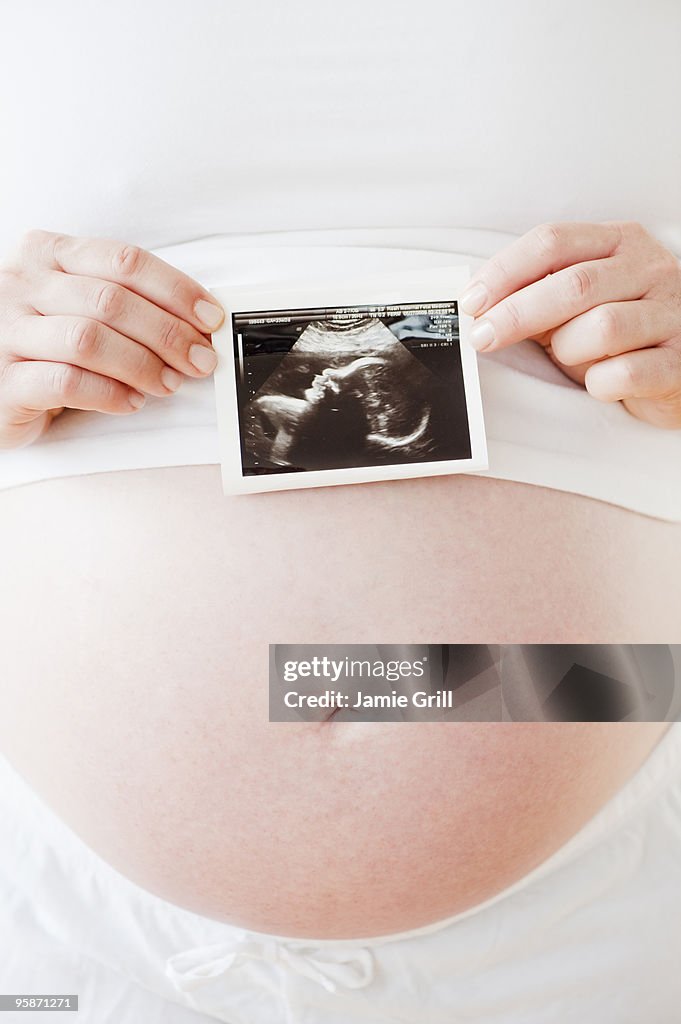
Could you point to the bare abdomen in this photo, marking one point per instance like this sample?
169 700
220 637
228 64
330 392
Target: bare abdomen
137 609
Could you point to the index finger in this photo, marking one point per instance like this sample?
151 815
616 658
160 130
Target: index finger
140 272
542 251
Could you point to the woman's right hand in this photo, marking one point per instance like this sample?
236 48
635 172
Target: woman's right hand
94 324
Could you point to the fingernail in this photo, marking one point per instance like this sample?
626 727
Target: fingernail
473 299
481 335
170 379
210 315
136 399
203 358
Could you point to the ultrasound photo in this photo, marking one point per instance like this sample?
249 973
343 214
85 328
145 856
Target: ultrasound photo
368 388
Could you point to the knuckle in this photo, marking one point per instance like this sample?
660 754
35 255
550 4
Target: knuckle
180 292
628 377
579 283
56 245
36 245
608 328
144 366
548 239
633 230
513 316
127 260
666 265
84 339
497 269
170 335
14 322
10 278
107 300
7 374
35 238
110 392
620 235
633 236
64 380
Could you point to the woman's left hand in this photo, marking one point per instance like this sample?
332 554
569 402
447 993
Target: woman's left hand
604 301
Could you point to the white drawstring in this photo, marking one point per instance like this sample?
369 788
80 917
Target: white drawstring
332 968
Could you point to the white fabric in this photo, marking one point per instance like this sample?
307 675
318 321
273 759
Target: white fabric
591 935
169 121
541 428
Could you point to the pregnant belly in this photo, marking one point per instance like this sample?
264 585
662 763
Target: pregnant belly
136 614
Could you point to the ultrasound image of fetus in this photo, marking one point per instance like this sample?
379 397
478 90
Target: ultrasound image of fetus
349 395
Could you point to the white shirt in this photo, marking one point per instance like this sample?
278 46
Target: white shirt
439 125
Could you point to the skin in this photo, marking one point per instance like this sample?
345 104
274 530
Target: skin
94 324
603 300
152 740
